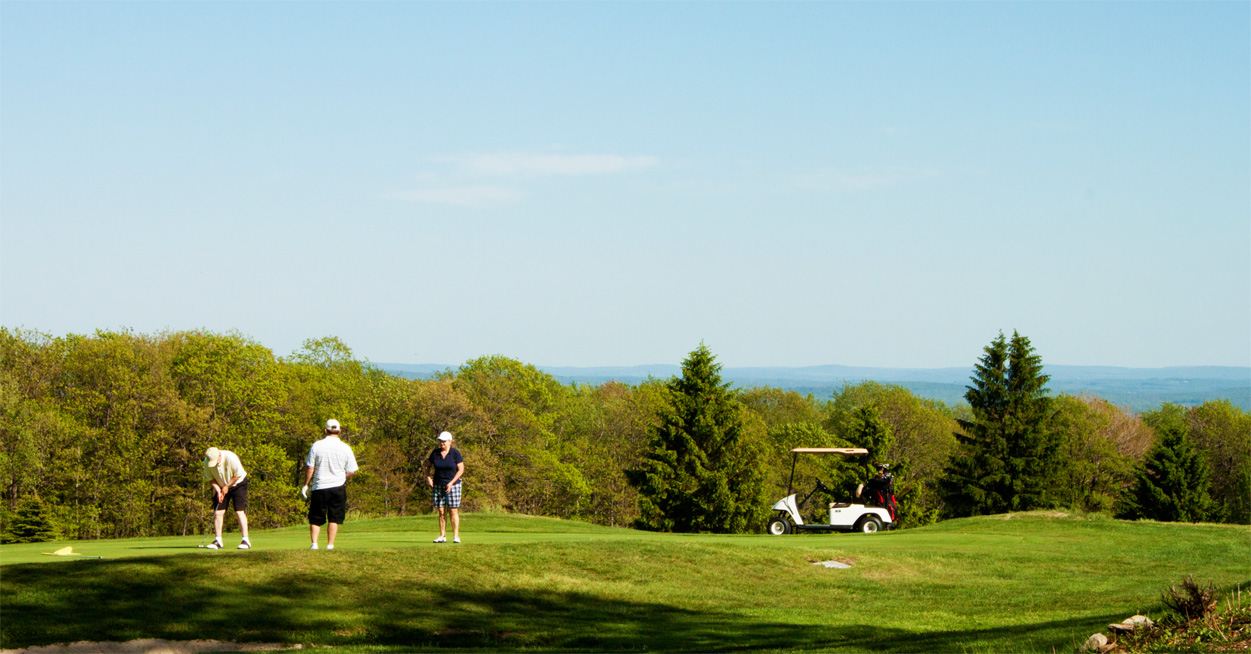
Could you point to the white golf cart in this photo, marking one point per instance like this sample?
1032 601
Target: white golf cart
844 516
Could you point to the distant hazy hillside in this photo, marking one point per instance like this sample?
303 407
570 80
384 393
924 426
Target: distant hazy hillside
1138 388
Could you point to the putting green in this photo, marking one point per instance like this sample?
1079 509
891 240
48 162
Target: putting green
365 534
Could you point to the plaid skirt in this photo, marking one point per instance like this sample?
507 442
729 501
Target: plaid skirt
446 496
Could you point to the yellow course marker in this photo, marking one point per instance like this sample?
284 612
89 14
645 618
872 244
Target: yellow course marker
69 551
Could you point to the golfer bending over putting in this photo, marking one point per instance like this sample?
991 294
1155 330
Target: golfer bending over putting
448 467
230 486
328 465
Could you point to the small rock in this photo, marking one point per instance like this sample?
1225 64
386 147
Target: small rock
1131 623
1095 642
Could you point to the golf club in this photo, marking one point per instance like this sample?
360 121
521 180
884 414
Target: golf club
208 528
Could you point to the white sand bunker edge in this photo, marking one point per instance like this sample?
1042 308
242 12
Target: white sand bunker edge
152 646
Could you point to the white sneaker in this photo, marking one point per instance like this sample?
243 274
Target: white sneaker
245 545
215 545
313 547
456 539
330 547
441 539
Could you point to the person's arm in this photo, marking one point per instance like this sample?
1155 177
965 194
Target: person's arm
460 470
234 470
351 467
428 469
308 475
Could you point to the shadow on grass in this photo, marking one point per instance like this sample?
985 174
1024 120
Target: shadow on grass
344 603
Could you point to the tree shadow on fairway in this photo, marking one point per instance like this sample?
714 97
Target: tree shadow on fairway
578 621
345 600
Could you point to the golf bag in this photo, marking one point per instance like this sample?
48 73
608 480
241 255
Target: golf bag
881 491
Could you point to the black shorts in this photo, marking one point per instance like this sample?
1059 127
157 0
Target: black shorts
327 503
237 494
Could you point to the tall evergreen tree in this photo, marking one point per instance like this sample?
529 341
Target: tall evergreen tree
1007 459
1173 483
867 429
32 523
701 473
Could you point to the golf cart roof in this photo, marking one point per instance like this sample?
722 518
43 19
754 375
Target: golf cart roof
845 451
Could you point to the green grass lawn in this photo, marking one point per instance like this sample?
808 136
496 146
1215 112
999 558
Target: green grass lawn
1028 583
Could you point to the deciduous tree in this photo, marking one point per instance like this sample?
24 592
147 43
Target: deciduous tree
1222 432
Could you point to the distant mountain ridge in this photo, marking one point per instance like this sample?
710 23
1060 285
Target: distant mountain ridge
1140 389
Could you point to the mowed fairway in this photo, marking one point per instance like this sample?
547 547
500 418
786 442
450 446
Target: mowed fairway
1025 583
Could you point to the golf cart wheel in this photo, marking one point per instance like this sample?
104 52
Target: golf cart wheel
870 524
778 527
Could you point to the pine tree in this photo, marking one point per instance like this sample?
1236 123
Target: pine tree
1034 461
701 473
1173 484
870 431
1007 462
31 523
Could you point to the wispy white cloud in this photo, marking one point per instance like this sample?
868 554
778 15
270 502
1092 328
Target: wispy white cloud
457 184
521 163
463 196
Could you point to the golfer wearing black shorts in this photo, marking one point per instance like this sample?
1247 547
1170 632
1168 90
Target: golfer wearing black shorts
329 464
230 487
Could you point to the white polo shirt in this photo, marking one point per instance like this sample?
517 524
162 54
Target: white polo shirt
228 467
331 460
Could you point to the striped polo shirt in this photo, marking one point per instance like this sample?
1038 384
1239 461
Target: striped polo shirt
331 460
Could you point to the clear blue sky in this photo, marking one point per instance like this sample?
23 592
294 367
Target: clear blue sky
878 184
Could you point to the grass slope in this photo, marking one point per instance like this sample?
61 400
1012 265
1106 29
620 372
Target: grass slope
1027 583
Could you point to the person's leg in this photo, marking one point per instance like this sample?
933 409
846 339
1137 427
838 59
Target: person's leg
317 514
336 513
442 522
455 523
239 497
219 517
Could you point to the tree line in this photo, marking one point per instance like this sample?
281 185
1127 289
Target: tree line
101 436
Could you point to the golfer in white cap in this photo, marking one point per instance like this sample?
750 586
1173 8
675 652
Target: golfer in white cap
328 465
230 486
444 468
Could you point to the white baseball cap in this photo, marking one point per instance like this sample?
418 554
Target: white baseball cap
332 425
210 456
445 436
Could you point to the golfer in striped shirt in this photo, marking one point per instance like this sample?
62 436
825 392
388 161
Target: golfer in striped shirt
328 465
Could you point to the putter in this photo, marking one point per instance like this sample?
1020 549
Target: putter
204 540
207 528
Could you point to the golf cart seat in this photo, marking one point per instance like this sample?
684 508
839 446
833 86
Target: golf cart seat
839 505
